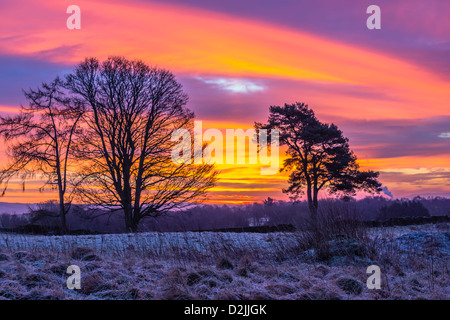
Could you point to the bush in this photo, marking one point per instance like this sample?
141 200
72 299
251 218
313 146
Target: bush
337 231
224 263
80 253
95 282
193 278
319 294
350 286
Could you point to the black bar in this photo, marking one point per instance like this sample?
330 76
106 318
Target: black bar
279 309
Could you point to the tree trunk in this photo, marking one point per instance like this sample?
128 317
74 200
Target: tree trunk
312 204
62 214
315 202
133 228
128 218
131 219
313 213
62 209
136 216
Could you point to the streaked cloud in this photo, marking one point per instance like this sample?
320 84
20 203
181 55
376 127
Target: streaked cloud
234 85
413 171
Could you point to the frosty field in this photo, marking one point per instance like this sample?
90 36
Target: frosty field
192 265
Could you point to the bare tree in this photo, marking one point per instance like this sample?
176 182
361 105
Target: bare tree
40 140
125 149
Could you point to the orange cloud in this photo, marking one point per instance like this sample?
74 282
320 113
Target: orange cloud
195 41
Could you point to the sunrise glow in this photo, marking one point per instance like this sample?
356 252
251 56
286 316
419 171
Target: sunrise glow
393 102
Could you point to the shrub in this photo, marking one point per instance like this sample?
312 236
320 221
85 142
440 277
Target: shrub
95 282
350 286
59 269
242 272
79 253
193 278
337 231
318 293
224 263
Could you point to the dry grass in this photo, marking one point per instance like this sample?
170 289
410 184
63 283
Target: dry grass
223 266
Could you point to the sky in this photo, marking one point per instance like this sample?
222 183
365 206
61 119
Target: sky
388 90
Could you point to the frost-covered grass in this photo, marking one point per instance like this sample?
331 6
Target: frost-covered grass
413 261
157 245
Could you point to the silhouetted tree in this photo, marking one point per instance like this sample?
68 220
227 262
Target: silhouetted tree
269 202
40 139
318 155
126 144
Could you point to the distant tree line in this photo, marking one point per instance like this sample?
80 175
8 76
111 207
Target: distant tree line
210 217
